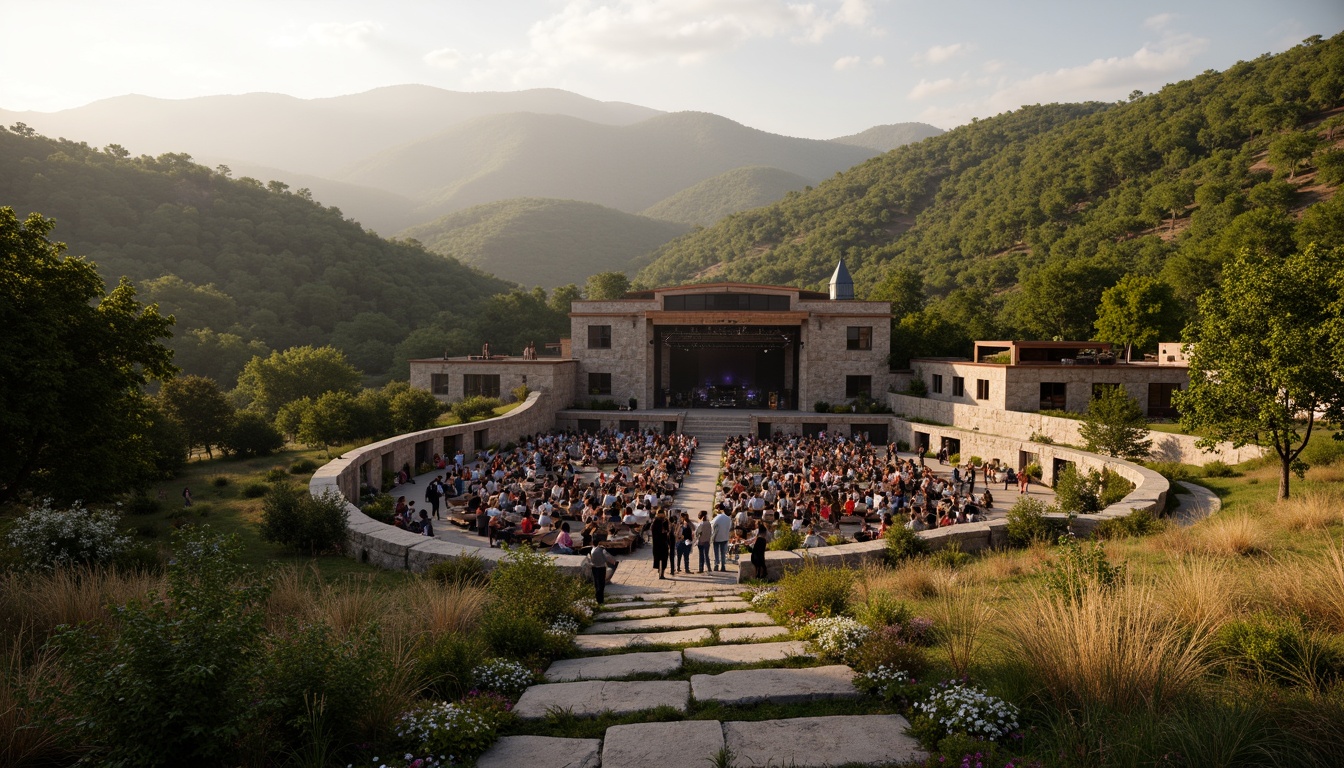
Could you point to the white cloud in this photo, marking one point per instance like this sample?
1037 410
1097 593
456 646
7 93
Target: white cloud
1159 22
358 35
847 62
877 61
928 88
444 58
992 66
939 53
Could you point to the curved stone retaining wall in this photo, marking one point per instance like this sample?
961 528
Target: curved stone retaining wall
386 546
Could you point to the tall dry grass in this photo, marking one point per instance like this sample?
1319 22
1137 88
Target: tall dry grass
1312 586
960 619
1115 648
351 605
1314 510
33 605
24 739
1235 535
912 580
1202 591
436 609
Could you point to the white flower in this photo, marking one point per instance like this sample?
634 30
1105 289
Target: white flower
836 637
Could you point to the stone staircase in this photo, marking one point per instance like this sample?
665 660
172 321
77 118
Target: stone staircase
713 426
593 685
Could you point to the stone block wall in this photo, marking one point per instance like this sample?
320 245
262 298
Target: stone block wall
538 375
825 359
655 420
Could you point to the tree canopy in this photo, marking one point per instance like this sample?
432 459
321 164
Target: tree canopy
268 383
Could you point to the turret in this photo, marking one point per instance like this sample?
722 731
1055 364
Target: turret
842 285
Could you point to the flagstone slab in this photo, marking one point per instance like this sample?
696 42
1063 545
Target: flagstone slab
748 653
632 639
634 613
775 686
682 744
746 634
813 742
714 607
678 622
593 697
542 752
609 667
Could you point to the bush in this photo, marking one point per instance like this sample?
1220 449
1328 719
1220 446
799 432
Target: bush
1173 471
1277 648
142 504
463 569
294 518
1078 492
255 490
309 664
954 458
1043 439
1219 469
303 467
835 638
528 581
842 408
46 539
950 556
1079 568
1321 451
959 708
511 634
440 728
446 664
881 610
902 544
380 508
503 676
475 407
1028 524
889 648
785 539
276 475
219 481
917 388
813 591
1114 488
1033 470
519 392
252 435
1140 522
975 461
821 406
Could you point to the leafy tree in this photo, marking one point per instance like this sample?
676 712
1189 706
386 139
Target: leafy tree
267 383
904 288
329 420
411 409
1136 312
1078 492
72 362
1114 425
251 434
1263 363
200 407
294 518
563 297
1060 298
1289 151
607 285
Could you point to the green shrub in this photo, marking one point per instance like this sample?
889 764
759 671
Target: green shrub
255 490
785 539
528 581
142 504
1277 648
950 556
1078 492
902 446
294 518
303 467
276 475
310 663
954 458
446 664
252 435
475 407
842 408
975 461
45 538
462 569
441 728
902 544
1323 450
917 388
513 634
813 591
520 393
821 406
141 556
1043 439
1113 488
219 481
1033 470
1140 522
888 647
1027 523
880 610
380 508
1078 568
1218 469
1173 471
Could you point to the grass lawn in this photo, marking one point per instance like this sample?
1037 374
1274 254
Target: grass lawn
449 419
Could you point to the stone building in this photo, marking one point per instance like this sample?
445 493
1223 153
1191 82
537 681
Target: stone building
1052 376
715 345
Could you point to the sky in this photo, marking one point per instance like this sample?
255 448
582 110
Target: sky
813 68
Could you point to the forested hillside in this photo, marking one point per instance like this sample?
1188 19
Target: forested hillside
535 241
737 190
1013 226
885 138
245 267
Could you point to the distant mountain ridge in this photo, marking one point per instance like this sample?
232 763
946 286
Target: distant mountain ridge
730 192
884 138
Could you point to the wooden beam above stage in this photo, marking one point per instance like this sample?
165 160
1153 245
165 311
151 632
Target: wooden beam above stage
659 317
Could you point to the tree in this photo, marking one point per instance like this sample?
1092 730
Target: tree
1263 363
1114 425
330 420
411 409
200 407
72 362
267 383
1289 151
294 518
904 288
1136 312
1059 298
252 435
607 285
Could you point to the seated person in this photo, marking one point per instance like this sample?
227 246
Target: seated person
916 522
527 525
865 532
813 539
564 545
987 499
945 519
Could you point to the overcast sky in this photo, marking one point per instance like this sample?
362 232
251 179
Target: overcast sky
818 68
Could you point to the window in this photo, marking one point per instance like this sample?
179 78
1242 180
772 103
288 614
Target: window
483 384
937 384
599 337
958 386
599 383
1101 387
726 302
1053 397
1159 401
982 389
858 385
859 337
438 383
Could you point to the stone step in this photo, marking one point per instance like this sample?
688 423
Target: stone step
542 752
634 613
678 622
592 698
721 606
748 634
746 654
633 639
609 667
682 744
775 686
812 742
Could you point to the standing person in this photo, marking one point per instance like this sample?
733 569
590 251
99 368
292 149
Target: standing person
970 478
433 492
1023 480
597 563
758 549
1009 477
685 535
723 531
673 541
704 536
661 534
186 497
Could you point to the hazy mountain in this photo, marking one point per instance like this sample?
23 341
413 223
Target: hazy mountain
737 190
309 136
624 167
536 241
379 210
885 138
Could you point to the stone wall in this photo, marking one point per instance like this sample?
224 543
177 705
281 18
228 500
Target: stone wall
1018 387
826 360
556 376
1020 425
655 420
385 546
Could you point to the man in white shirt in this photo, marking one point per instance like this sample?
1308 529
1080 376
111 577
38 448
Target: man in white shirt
723 531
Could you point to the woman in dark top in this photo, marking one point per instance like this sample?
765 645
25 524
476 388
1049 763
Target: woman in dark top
661 532
758 549
684 543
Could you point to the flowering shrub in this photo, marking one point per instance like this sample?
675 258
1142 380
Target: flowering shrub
48 538
918 631
764 598
836 637
583 609
503 676
888 648
954 707
563 626
439 734
885 682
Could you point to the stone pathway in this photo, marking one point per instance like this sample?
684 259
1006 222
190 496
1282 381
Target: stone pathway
593 685
1195 504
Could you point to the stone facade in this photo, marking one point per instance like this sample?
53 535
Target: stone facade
545 375
827 362
1018 387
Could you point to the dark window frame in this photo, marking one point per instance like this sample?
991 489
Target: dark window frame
441 383
599 337
958 386
597 385
859 338
482 384
1054 400
857 385
936 384
982 389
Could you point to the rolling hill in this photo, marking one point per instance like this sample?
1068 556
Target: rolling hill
624 167
884 138
543 242
737 190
